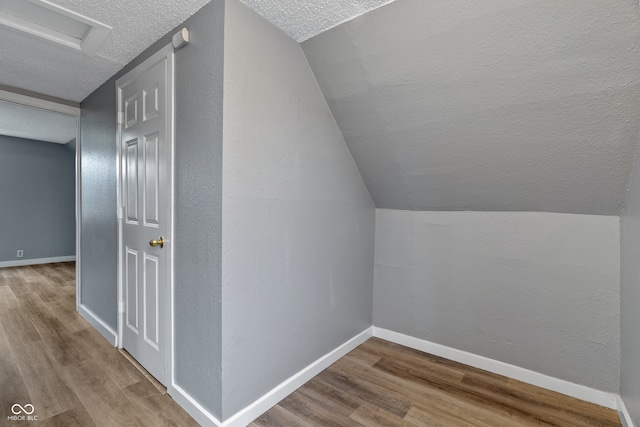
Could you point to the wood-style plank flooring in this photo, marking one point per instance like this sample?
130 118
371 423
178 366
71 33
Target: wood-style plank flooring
385 384
51 358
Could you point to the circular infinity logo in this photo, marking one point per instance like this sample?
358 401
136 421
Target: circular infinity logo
18 409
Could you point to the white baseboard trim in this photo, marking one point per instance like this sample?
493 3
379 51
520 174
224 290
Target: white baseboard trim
35 261
266 402
262 405
98 324
193 408
625 417
602 398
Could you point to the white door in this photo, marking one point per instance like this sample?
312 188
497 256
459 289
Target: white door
145 117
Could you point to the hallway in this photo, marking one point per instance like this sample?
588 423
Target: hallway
52 359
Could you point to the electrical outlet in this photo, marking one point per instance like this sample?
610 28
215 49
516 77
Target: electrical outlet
20 253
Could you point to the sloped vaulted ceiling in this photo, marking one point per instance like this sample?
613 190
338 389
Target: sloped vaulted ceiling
500 105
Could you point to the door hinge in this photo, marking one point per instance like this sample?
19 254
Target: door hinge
120 212
120 117
121 307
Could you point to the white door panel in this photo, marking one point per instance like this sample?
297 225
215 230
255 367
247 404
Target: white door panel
145 197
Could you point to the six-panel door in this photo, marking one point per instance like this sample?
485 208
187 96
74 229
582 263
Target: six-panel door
144 190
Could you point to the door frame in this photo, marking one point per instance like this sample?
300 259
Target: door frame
164 54
55 107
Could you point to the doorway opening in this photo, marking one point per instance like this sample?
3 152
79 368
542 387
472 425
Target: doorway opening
40 214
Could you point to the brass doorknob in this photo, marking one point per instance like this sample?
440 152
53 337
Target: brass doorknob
159 242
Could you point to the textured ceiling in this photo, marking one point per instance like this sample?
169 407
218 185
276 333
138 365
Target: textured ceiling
503 105
33 123
39 66
445 104
302 19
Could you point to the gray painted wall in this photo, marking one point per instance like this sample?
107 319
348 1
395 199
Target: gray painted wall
99 230
535 290
37 190
630 298
298 222
198 208
488 106
198 174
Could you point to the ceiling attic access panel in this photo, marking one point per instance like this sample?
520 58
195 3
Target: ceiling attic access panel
45 20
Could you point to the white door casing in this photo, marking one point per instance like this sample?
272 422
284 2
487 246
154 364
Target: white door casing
145 213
